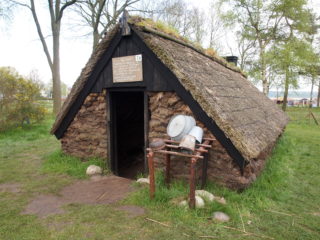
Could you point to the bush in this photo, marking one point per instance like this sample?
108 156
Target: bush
18 100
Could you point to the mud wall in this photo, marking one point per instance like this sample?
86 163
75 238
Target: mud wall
87 134
87 137
221 167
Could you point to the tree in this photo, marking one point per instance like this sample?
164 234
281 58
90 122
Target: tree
265 22
18 97
56 10
259 22
299 26
188 21
101 15
246 53
290 58
215 27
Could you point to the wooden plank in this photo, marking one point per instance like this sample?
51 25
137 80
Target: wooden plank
159 82
147 71
192 183
127 69
204 170
132 48
122 48
152 185
146 129
109 130
114 136
168 169
186 96
197 144
178 154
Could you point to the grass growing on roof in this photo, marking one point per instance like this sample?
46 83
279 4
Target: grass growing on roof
169 32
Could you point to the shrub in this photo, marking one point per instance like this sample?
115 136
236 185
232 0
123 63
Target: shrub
18 100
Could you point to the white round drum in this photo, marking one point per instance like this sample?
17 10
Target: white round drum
179 126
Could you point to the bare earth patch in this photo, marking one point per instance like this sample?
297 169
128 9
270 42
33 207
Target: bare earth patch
103 190
10 187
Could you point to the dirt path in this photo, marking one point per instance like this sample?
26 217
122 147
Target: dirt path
103 190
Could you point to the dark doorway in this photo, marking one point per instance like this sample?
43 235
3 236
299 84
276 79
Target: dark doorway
127 133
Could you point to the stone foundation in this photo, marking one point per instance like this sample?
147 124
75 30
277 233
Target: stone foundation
87 134
221 167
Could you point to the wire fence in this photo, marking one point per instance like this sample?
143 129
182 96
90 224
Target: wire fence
304 115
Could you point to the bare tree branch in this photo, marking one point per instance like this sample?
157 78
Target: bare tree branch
67 4
42 39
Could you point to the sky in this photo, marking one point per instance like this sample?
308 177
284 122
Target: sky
20 46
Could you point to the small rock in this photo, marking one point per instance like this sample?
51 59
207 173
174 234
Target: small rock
220 216
199 202
220 200
206 195
183 203
94 170
143 180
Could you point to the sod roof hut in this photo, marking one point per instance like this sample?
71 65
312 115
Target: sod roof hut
138 77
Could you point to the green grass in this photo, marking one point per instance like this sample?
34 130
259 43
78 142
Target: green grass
282 204
300 115
58 162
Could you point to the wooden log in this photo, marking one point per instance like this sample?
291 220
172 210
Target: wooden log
151 174
178 154
167 177
198 145
177 147
192 182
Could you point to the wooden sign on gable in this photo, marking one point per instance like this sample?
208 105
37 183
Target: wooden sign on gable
127 69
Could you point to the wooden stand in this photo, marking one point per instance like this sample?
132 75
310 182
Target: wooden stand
172 148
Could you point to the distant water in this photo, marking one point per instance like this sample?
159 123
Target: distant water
293 94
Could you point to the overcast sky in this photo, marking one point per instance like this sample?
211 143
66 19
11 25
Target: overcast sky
20 47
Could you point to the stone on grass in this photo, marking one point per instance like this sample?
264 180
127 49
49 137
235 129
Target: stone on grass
199 202
220 200
143 181
220 216
94 170
205 195
183 203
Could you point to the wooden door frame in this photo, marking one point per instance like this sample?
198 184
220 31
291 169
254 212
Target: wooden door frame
111 126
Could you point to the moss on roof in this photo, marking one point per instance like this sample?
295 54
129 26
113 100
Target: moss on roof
168 32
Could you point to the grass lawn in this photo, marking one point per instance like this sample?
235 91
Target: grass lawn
284 203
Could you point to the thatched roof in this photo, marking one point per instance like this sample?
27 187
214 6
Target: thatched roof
247 117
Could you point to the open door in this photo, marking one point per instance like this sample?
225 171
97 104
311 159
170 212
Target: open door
127 133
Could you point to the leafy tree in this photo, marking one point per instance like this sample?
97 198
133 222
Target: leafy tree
18 99
290 58
265 22
258 22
